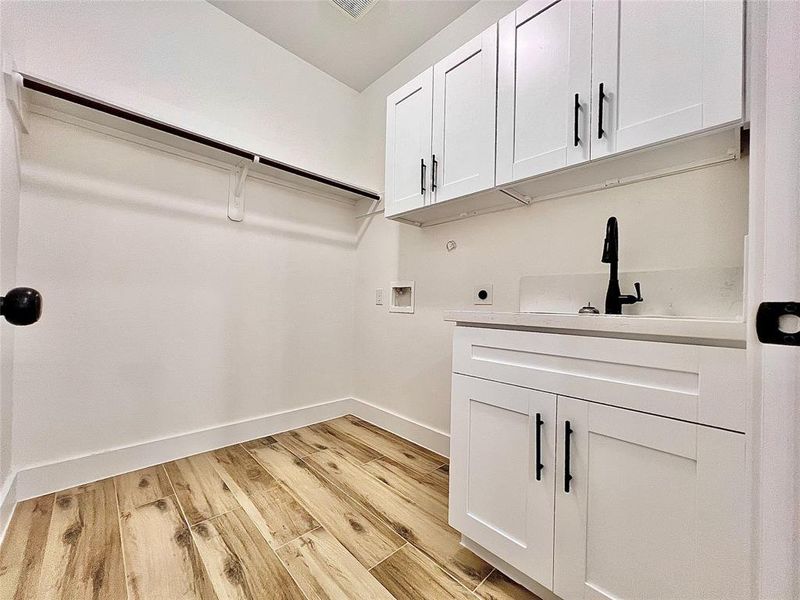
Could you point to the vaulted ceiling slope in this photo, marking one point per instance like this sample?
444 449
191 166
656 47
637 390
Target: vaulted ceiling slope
356 52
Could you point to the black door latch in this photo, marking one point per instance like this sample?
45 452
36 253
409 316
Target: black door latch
21 306
768 323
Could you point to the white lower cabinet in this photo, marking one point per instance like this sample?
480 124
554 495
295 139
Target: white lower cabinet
499 497
627 506
654 508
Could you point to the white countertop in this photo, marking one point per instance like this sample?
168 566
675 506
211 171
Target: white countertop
716 332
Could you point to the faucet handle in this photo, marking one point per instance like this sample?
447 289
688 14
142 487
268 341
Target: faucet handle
638 287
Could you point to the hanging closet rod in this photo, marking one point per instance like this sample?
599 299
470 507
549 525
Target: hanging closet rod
44 88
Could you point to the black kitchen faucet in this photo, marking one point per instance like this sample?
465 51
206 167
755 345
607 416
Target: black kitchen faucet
615 300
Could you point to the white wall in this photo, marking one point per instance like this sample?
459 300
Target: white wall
190 64
404 361
9 217
774 263
161 316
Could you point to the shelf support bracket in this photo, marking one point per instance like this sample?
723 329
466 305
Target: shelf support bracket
522 199
236 190
13 83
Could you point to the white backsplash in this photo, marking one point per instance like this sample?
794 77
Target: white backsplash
714 292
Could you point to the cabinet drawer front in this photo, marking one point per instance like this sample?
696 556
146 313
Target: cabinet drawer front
694 383
498 497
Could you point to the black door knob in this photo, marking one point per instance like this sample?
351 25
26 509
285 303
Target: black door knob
21 306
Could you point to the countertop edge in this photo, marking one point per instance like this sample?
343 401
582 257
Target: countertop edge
705 332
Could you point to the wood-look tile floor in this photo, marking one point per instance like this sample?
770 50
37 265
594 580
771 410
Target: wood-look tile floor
341 509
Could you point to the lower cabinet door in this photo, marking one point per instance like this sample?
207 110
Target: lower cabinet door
499 495
647 507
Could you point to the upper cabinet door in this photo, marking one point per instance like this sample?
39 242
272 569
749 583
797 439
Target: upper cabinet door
408 145
544 88
667 68
647 507
499 495
464 108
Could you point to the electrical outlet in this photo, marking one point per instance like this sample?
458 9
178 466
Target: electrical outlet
379 297
483 294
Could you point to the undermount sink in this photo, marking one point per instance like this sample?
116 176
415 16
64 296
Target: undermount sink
713 293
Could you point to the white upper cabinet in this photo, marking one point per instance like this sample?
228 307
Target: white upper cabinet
555 84
647 507
544 88
464 105
440 129
502 475
408 145
667 68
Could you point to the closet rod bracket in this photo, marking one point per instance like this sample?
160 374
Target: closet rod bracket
13 84
236 189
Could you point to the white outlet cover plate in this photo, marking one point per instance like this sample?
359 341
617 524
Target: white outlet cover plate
489 298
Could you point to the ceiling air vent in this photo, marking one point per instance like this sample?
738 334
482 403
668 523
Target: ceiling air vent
355 8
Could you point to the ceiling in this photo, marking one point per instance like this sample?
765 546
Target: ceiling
354 52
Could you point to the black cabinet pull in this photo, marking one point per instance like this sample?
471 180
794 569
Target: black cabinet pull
601 97
576 138
539 465
422 176
435 166
567 476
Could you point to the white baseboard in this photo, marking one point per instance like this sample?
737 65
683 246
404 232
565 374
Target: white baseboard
509 571
46 478
8 500
423 435
50 477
